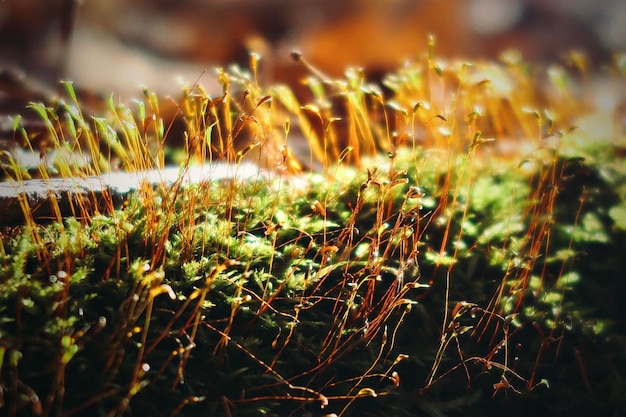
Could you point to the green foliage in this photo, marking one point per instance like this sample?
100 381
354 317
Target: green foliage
426 279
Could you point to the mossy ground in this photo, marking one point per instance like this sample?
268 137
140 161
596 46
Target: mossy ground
420 270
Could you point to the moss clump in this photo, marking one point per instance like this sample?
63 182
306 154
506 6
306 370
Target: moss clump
419 270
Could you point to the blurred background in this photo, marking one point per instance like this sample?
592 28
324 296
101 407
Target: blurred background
117 45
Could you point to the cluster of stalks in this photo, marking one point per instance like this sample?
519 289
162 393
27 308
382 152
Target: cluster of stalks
328 280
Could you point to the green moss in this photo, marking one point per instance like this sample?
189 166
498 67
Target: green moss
436 278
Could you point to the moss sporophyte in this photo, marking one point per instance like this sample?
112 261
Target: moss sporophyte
447 243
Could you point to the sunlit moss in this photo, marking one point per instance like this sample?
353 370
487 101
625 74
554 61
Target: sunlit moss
419 235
